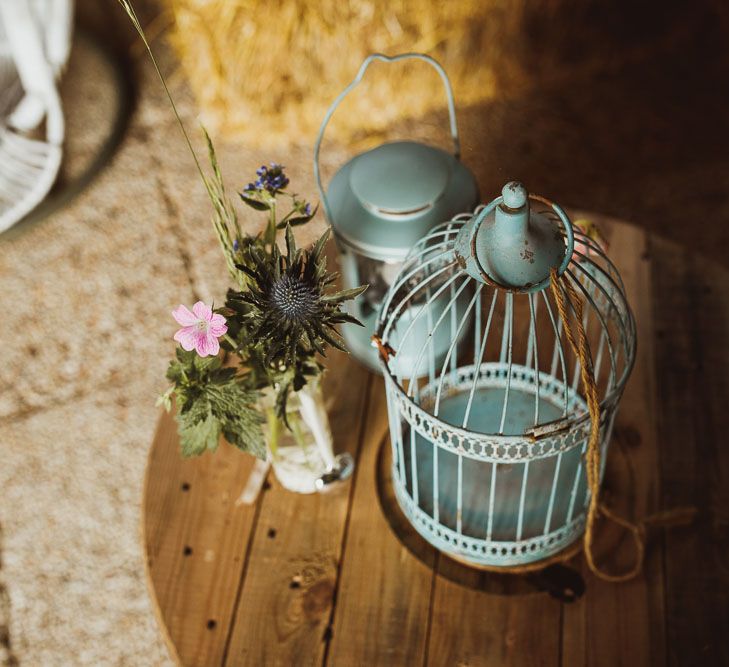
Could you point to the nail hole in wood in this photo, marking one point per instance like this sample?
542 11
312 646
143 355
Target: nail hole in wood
295 582
187 551
211 624
185 486
272 532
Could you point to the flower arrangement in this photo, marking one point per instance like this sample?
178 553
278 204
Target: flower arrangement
280 316
238 364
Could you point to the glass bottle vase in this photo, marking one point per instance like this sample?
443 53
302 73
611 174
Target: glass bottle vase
302 453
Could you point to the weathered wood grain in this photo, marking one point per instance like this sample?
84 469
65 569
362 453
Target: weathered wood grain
286 599
691 301
474 628
195 542
622 624
383 600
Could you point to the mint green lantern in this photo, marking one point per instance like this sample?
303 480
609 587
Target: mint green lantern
382 202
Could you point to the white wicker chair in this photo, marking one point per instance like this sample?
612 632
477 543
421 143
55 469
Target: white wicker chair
35 39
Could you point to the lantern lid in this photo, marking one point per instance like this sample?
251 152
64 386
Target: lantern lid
511 246
400 178
383 201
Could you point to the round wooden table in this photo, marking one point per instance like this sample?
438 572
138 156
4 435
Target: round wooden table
339 579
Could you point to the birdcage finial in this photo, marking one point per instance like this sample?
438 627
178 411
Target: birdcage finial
510 246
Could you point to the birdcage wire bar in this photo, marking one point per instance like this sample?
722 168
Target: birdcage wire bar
488 441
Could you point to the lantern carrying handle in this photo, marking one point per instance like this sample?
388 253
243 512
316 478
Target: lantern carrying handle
360 74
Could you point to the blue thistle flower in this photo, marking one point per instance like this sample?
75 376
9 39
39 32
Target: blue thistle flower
289 308
271 179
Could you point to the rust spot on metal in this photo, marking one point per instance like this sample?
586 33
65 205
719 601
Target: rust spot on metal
508 209
385 350
548 429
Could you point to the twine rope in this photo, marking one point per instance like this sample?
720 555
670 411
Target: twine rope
566 296
564 293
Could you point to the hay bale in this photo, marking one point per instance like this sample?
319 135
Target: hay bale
265 72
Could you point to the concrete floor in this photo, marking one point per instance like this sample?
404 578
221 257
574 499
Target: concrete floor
87 295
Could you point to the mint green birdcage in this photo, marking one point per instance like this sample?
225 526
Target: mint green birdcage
488 440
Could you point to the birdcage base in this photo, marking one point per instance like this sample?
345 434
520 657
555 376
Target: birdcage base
569 552
493 555
492 513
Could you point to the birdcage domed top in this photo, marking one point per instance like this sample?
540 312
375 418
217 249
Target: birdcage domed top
511 246
482 283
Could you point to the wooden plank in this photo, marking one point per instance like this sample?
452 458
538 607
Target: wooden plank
472 627
382 608
622 624
286 599
466 642
691 298
195 540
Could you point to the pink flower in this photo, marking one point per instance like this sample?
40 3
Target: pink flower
200 329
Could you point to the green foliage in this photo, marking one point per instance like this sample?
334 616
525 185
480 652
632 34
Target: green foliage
214 401
305 215
225 219
256 201
196 437
293 379
281 317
